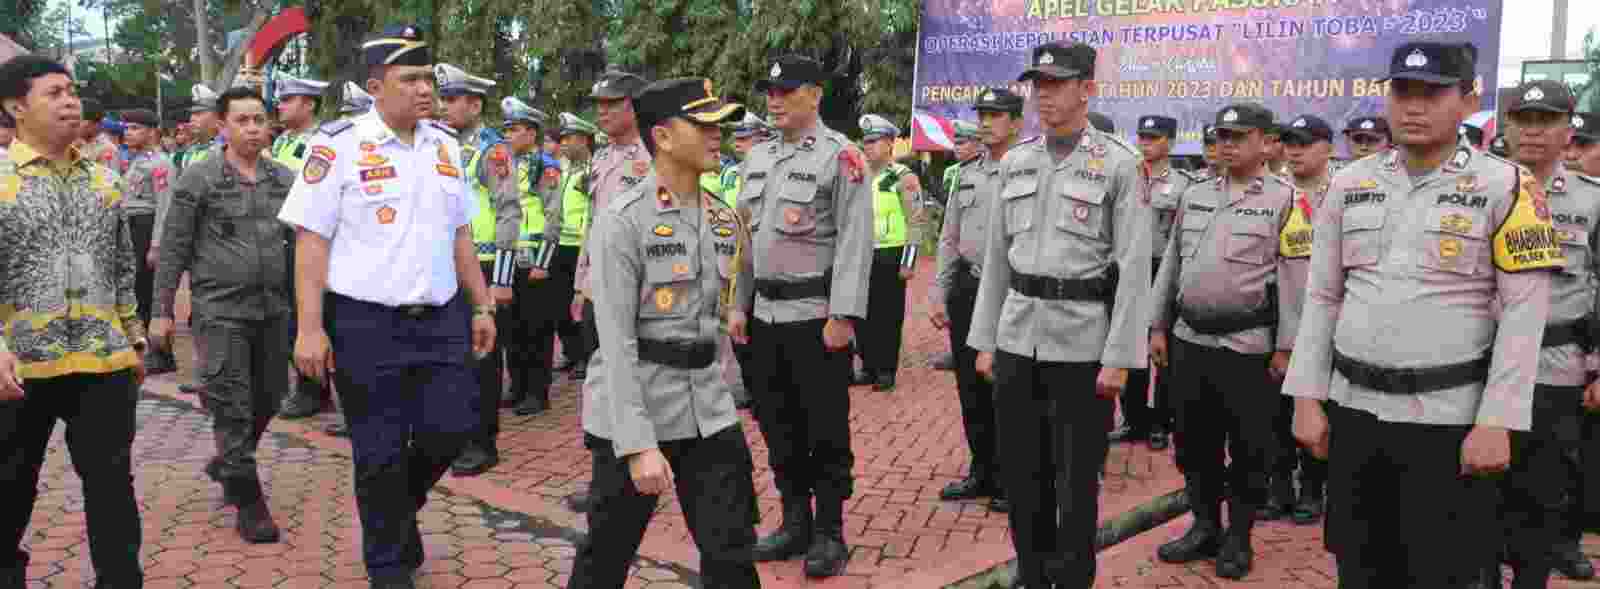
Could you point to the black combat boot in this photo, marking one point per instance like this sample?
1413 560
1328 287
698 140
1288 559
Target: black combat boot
1281 501
580 502
828 554
1236 557
1203 539
533 404
254 522
305 401
792 538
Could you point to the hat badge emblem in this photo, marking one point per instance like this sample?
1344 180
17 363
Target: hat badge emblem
1149 122
1366 124
409 32
988 96
1230 116
1577 122
1046 59
1533 94
777 70
1299 123
1416 59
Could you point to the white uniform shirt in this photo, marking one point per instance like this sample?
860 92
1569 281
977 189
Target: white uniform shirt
390 210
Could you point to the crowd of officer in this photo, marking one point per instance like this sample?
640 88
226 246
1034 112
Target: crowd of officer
1432 302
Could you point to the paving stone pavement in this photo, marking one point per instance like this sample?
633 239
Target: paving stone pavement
510 528
189 539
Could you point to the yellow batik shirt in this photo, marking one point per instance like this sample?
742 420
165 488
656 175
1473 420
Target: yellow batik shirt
66 267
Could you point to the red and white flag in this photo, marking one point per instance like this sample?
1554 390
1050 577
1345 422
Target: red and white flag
932 133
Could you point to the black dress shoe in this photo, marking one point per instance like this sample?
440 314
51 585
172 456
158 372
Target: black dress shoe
1280 501
967 488
300 405
395 583
474 460
1000 503
862 377
827 557
1202 541
580 374
885 382
532 405
743 404
512 400
1573 564
255 523
1308 510
580 502
1236 558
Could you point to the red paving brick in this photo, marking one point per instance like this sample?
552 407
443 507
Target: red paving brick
509 528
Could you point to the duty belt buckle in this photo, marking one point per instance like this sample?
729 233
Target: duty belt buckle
414 311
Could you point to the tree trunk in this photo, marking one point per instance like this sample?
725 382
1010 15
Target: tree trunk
202 27
259 13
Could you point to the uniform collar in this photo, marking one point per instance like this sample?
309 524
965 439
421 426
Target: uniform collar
370 127
29 162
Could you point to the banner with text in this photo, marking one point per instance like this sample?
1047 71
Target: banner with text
1188 59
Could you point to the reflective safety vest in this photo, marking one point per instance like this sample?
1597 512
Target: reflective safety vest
889 216
482 224
291 151
731 183
531 237
574 204
712 182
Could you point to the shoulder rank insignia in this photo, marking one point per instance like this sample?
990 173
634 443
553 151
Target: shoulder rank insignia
333 128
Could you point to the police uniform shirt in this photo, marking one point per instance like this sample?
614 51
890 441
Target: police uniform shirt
528 179
1161 193
1229 247
809 205
148 183
1406 273
613 169
661 274
391 210
966 223
1575 212
1068 220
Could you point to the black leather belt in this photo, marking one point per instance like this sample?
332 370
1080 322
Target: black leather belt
417 311
1063 289
685 355
778 290
1411 381
1226 324
1571 332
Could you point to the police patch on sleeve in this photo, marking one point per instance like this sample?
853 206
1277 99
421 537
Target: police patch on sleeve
316 170
1294 240
1526 240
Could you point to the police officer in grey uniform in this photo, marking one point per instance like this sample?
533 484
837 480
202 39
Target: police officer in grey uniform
1429 287
1543 475
1160 185
148 182
1055 328
665 256
1308 144
222 228
809 201
1224 285
968 210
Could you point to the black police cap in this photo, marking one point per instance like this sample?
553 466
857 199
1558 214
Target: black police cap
1307 129
1060 61
1368 125
1586 125
792 71
1244 117
690 98
397 45
615 84
1158 125
998 100
141 116
1545 95
1433 63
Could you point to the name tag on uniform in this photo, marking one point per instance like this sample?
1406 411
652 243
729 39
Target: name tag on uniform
383 173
